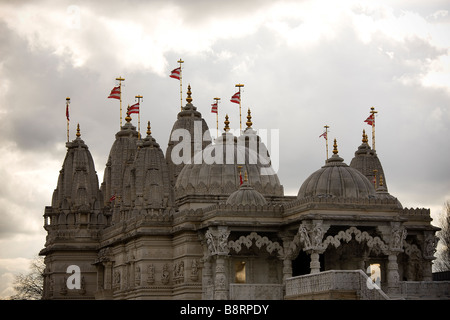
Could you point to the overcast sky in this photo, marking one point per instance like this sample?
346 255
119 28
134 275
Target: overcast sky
304 64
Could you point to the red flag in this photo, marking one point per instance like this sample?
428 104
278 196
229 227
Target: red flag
113 197
214 108
370 120
324 135
67 112
134 108
236 98
176 73
240 178
115 93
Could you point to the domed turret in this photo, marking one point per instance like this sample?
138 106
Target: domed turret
216 171
367 162
77 187
246 195
337 179
150 176
189 125
120 159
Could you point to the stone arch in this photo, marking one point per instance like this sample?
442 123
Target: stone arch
360 236
271 246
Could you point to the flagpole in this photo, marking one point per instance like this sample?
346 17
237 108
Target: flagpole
372 111
326 137
181 86
217 115
240 118
139 97
120 79
67 116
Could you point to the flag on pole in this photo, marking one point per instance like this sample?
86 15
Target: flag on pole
240 178
134 108
115 93
113 197
67 112
176 73
236 98
324 135
214 108
370 120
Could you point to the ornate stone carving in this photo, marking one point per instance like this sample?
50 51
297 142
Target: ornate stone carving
165 274
398 235
151 274
259 242
178 272
217 240
430 244
194 270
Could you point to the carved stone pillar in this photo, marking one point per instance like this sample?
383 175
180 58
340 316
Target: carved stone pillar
311 236
287 268
315 263
217 245
392 274
221 279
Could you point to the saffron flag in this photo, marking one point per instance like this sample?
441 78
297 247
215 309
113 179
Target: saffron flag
115 93
324 135
176 73
134 108
236 98
370 120
67 112
214 108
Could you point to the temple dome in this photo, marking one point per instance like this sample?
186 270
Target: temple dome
77 186
367 162
246 195
337 179
217 170
149 186
120 159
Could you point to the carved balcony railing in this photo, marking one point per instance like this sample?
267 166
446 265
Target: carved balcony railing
256 291
333 281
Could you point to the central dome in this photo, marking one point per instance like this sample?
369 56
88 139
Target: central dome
218 170
337 179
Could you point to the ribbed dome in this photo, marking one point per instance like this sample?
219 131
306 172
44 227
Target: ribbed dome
366 161
246 195
77 182
215 171
120 158
149 186
337 179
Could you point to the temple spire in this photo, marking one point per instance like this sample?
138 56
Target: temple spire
335 149
226 122
149 132
249 119
189 98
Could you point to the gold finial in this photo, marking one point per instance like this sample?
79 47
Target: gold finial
227 128
128 118
249 119
364 139
245 176
189 99
78 131
149 132
381 180
335 149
